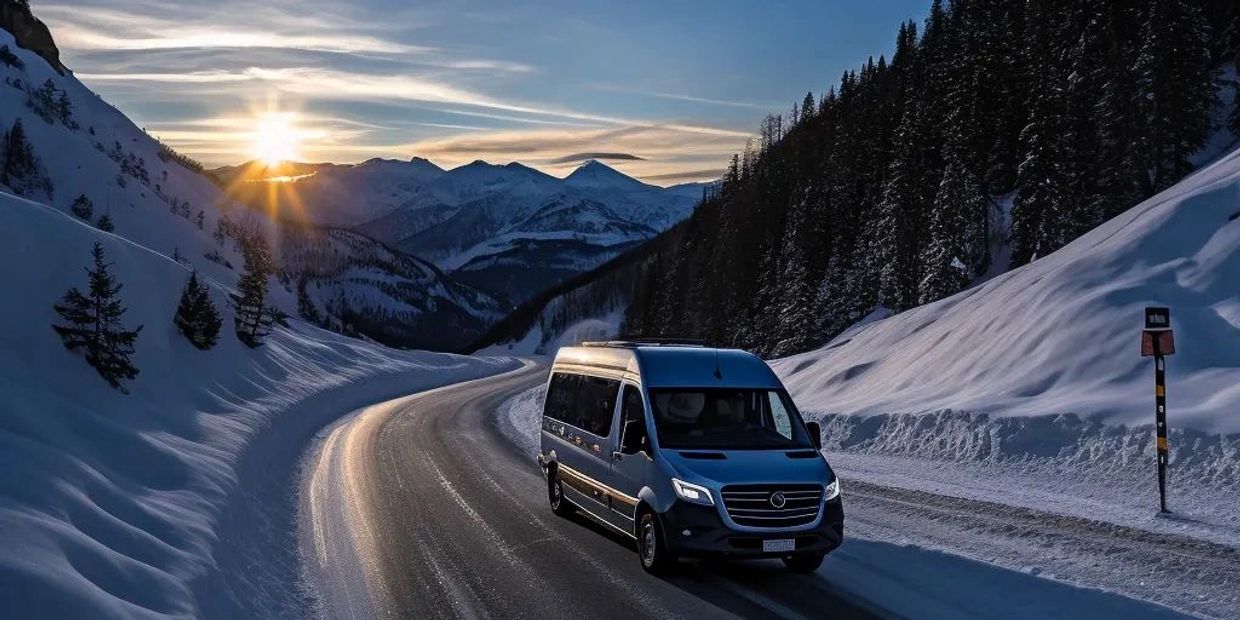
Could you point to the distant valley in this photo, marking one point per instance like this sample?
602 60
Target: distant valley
508 230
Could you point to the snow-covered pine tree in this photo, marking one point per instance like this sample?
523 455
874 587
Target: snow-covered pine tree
105 223
196 315
895 251
794 329
946 255
82 207
94 324
1040 211
252 319
22 170
1177 83
1120 180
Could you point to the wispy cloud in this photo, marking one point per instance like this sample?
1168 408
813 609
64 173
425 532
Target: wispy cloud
330 84
375 84
580 157
647 152
170 26
706 100
684 176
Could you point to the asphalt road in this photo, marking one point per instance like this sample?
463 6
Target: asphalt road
420 508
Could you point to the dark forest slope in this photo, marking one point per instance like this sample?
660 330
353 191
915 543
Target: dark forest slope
998 123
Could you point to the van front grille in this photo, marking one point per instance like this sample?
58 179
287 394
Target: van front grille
760 505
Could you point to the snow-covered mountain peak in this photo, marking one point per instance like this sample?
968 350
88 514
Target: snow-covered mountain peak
595 174
423 162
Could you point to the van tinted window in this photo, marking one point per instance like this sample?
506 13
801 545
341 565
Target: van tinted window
582 401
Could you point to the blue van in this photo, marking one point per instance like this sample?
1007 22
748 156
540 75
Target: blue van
691 451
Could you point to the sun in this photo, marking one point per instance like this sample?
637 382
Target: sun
276 138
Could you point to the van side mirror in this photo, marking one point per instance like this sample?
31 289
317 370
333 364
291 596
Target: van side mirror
632 437
815 434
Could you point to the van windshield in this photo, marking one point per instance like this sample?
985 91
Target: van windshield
727 419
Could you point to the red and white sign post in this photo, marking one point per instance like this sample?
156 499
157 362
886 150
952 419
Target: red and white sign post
1158 341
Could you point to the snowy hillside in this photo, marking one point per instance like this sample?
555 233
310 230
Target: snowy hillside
1061 335
507 229
84 151
111 504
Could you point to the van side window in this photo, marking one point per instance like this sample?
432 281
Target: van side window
780 417
597 402
633 409
582 401
560 398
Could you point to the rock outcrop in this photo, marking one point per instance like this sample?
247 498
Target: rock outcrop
29 31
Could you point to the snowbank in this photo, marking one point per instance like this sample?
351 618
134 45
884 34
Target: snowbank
1061 335
145 505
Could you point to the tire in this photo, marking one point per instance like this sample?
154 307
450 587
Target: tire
652 551
804 562
555 496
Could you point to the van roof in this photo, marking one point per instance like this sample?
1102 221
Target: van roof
669 366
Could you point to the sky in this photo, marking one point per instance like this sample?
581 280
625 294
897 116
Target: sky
663 90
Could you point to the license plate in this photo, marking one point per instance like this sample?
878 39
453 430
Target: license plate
779 545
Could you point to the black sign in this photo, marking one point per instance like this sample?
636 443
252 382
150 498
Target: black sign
1158 318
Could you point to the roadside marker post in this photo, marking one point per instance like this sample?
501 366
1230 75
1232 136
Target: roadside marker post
1158 341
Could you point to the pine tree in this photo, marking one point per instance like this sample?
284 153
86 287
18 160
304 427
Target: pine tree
1177 86
94 324
82 207
945 260
22 169
1041 210
196 315
252 318
105 223
794 305
1119 173
896 240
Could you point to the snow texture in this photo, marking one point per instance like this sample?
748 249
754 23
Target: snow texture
170 501
1061 334
153 504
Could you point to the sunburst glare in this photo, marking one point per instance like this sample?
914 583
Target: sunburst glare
276 138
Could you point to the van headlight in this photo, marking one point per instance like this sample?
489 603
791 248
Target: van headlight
692 493
833 490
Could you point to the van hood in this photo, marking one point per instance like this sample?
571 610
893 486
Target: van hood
748 466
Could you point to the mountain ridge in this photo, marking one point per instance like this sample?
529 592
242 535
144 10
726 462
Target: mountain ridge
514 229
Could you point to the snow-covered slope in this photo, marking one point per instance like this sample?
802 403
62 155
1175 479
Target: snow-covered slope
507 229
111 504
1061 335
155 200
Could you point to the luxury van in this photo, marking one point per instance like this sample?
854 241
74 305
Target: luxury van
689 450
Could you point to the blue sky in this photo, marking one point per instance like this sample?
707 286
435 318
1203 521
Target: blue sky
679 85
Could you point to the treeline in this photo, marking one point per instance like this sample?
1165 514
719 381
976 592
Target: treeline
997 126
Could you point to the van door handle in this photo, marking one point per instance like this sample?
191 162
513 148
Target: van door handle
616 455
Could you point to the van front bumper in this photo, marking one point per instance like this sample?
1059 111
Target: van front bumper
695 530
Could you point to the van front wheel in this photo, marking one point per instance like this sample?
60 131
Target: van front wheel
555 494
651 549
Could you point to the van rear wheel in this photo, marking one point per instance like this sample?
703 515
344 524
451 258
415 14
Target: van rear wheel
804 562
555 495
651 548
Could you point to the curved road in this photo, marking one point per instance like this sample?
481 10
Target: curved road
420 508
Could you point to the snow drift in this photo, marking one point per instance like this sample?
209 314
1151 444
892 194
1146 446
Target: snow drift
1060 335
112 505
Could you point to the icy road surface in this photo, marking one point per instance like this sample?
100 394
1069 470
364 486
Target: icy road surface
424 507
